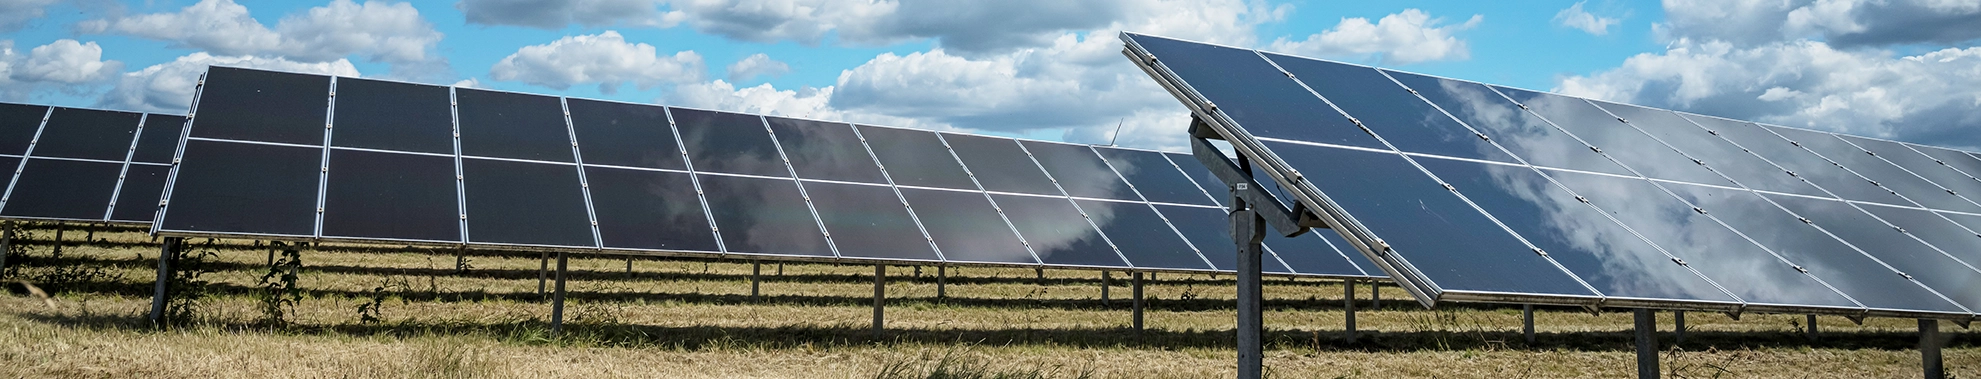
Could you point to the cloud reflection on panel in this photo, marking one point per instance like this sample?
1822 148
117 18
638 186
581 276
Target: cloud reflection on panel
762 216
728 143
1057 232
1526 135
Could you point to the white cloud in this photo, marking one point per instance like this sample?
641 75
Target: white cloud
1575 17
604 58
15 14
555 14
1406 37
393 33
66 61
755 65
1843 23
168 87
467 83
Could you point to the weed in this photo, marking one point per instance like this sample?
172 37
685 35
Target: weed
369 311
189 287
279 292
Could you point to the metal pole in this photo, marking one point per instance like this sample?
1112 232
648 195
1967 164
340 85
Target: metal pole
941 281
543 266
1104 301
58 240
161 290
1812 327
1348 307
1138 302
629 265
1375 295
461 260
6 244
1042 275
1647 346
557 299
756 269
780 269
1929 349
1248 229
880 297
1527 322
1678 325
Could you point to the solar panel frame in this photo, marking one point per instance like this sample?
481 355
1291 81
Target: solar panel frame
107 145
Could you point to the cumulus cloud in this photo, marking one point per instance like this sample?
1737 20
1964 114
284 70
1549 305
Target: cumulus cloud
64 65
168 87
1842 23
755 65
15 14
555 14
1402 38
1575 17
392 33
604 58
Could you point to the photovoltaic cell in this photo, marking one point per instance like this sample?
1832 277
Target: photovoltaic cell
18 123
1154 177
137 200
1805 164
622 134
1622 142
1142 236
868 222
1966 164
1200 176
160 139
728 143
391 196
1882 173
966 227
648 210
1889 245
1056 232
1209 229
825 150
1712 151
54 188
1920 164
1080 171
512 125
1313 254
762 216
1526 135
87 134
385 115
524 203
1000 165
1950 237
1252 92
254 189
264 106
916 158
1390 110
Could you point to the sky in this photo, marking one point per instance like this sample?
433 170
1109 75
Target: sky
1908 70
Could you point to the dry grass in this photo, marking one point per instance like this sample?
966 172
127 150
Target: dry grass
679 318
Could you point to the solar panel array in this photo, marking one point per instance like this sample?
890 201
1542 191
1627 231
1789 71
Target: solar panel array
295 156
1476 192
84 165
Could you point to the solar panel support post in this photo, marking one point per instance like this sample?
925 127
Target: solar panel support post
161 290
461 260
1678 326
557 297
6 243
880 297
1929 349
1104 286
1527 322
1138 302
1375 294
1811 333
1348 309
941 282
1248 229
1647 344
58 241
756 271
543 266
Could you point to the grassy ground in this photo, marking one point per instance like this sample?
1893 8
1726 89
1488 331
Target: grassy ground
682 318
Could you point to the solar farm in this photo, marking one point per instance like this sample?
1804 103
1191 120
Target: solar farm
1330 220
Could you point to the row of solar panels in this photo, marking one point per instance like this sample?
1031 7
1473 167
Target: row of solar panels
281 155
79 164
1487 193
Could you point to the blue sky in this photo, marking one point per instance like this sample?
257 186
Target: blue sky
1035 68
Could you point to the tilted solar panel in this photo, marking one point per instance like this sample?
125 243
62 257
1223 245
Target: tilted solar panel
1474 192
400 162
79 165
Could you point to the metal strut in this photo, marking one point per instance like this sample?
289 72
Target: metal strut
1251 210
1647 344
557 298
161 291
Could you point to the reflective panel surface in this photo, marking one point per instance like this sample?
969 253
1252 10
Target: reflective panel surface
266 106
1143 237
391 196
825 150
160 139
728 142
649 210
1519 131
869 222
88 134
1390 110
1950 237
18 123
1887 244
1883 173
966 228
137 201
1444 237
512 125
1602 130
621 134
1604 254
1919 164
1000 165
1967 164
1201 176
525 203
1209 229
1154 177
53 188
1080 171
1057 232
1255 94
762 216
393 116
1712 151
1313 254
231 187
916 158
1804 164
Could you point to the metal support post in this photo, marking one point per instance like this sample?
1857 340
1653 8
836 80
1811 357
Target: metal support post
1138 302
461 260
1527 322
1375 295
1348 308
1678 325
58 241
780 269
1647 345
1929 349
1104 301
629 265
880 297
543 267
756 270
1812 327
161 291
557 298
941 282
1042 275
6 244
1248 229
918 271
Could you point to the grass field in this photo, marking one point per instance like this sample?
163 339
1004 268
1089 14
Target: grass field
686 318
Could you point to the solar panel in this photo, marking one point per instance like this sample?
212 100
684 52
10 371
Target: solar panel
78 165
445 166
1474 192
